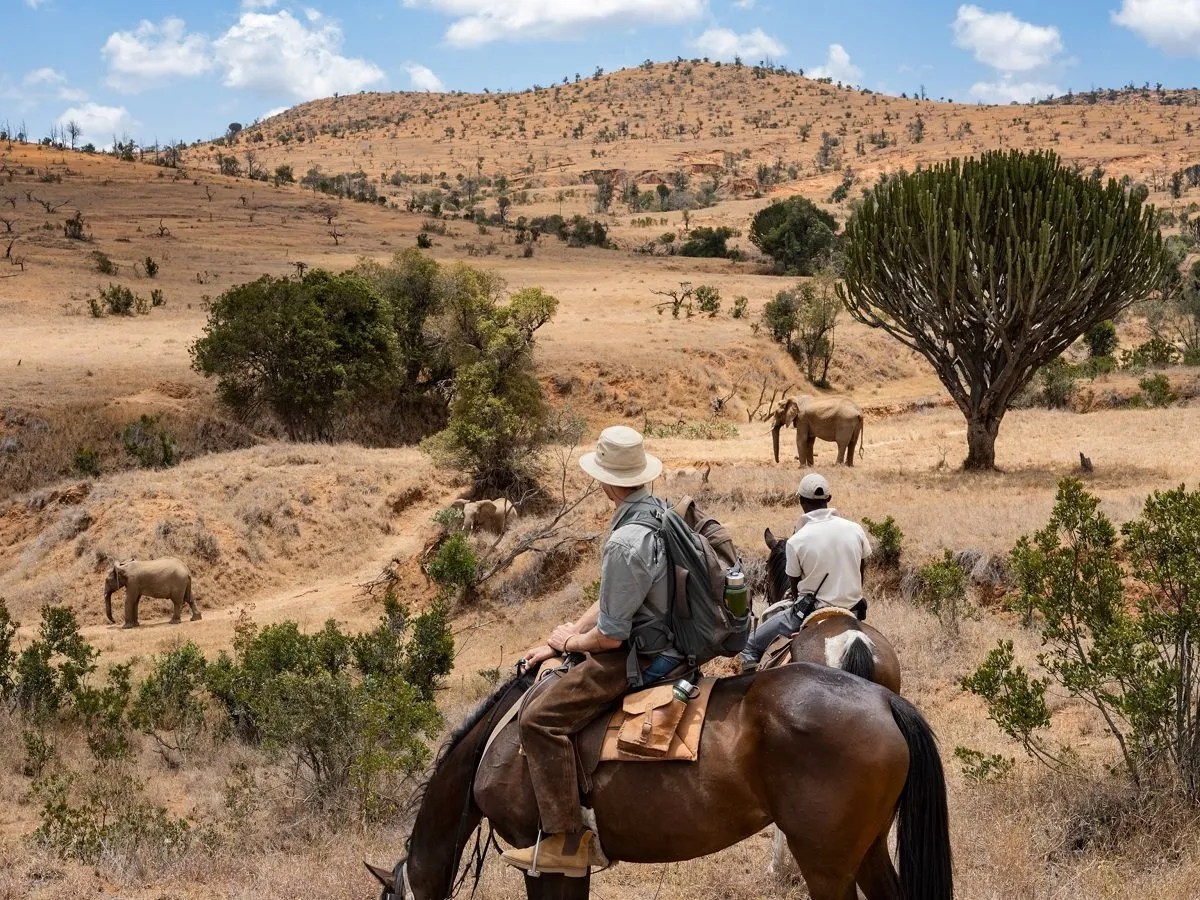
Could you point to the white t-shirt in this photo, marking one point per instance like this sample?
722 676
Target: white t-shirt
826 546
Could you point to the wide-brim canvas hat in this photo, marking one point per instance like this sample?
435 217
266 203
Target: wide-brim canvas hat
620 459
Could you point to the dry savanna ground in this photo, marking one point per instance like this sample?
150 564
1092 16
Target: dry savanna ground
280 531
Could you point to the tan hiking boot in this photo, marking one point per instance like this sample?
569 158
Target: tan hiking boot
557 854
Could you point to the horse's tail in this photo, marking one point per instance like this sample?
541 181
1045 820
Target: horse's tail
852 651
923 835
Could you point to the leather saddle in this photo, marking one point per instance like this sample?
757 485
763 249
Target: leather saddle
779 651
646 725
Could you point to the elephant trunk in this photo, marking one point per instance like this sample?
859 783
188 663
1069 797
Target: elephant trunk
775 439
108 606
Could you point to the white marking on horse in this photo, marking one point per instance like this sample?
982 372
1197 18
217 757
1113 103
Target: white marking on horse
837 647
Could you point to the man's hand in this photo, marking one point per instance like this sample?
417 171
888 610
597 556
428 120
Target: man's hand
558 637
535 656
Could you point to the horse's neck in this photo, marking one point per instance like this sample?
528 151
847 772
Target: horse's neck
448 814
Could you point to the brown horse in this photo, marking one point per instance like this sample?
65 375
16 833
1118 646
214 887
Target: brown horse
840 641
828 757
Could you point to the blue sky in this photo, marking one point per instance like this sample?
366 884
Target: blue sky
183 70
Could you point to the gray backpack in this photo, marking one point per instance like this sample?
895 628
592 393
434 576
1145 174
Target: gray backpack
699 551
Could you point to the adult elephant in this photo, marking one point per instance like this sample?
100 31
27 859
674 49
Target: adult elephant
828 418
167 578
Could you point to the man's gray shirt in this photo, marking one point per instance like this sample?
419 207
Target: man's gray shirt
633 570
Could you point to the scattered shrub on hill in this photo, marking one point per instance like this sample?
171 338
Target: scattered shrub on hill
118 300
797 234
1056 386
455 566
944 591
149 444
1101 339
708 243
151 267
1116 615
1157 390
1155 353
424 241
887 540
708 299
103 263
738 310
73 227
43 679
804 320
87 461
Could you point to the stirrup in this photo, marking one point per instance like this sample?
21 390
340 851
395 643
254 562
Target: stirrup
533 870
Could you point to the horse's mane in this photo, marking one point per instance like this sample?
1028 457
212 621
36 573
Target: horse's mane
469 723
777 576
459 734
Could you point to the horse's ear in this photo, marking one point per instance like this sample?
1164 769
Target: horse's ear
386 878
769 538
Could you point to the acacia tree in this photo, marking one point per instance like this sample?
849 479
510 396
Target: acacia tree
991 267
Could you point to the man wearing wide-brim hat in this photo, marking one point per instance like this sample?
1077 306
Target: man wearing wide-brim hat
633 597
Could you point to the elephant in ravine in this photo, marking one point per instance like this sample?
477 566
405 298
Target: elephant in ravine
828 418
486 515
167 578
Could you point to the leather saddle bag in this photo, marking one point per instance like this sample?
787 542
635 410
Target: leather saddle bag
651 717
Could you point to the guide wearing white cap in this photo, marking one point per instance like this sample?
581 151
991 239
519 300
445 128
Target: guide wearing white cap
825 560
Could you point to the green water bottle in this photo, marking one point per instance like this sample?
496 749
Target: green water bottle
736 596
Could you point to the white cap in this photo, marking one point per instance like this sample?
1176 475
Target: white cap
814 487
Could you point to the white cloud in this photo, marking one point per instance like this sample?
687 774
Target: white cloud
1172 25
34 4
98 124
1003 41
837 66
725 43
1008 91
744 4
72 95
280 55
45 75
142 58
483 21
422 78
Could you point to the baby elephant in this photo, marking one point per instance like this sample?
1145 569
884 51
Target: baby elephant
167 578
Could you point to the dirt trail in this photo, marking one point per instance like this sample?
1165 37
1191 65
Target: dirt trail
338 595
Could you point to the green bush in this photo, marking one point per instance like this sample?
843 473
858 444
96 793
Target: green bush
87 461
39 753
103 813
944 591
983 768
887 540
1155 353
796 233
169 704
307 350
1101 339
151 267
151 445
342 710
707 243
455 565
156 297
738 310
104 265
424 241
1115 617
102 711
118 299
708 299
43 679
1157 390
1057 385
